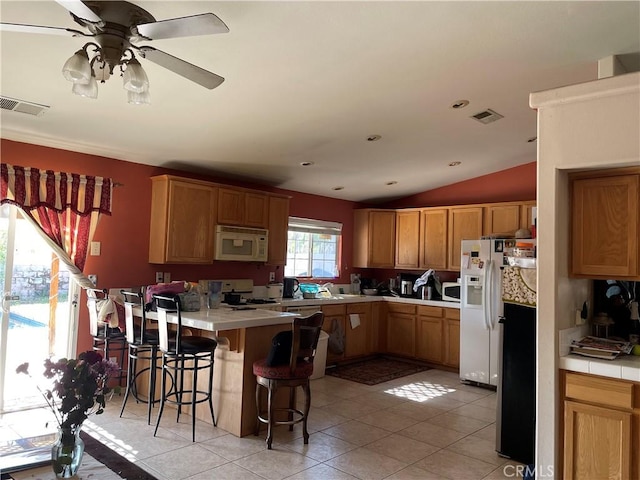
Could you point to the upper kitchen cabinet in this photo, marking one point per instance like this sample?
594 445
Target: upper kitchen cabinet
507 217
242 207
407 238
182 223
465 223
278 229
433 238
605 224
374 238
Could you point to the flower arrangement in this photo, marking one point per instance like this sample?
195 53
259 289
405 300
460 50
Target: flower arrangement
79 387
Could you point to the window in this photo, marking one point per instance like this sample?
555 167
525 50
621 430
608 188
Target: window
312 248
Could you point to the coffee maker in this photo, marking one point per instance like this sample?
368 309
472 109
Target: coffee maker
290 286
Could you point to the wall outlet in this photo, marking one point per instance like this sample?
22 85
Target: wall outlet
272 276
167 277
114 360
93 279
159 277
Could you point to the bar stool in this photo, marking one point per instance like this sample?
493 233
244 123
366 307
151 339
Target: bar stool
303 341
183 354
143 345
107 340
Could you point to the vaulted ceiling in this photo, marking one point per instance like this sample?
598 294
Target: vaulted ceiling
311 81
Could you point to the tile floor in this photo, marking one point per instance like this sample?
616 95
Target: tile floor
424 426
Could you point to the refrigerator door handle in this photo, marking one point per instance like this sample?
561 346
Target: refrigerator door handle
485 299
489 289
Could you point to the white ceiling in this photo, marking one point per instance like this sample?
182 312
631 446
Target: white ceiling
309 81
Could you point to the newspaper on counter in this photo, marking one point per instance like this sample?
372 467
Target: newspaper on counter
600 347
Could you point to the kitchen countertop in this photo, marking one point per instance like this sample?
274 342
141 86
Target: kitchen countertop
225 318
338 299
625 367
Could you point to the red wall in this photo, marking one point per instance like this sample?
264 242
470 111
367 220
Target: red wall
511 185
124 235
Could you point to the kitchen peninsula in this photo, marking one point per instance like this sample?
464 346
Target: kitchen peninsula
244 337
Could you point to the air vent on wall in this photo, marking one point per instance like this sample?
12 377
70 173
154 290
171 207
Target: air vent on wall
487 116
21 106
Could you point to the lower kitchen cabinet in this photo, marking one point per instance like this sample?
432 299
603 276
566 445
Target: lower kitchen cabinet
429 334
401 328
601 427
452 337
438 335
359 341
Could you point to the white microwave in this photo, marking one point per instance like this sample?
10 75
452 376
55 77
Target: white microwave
451 291
241 244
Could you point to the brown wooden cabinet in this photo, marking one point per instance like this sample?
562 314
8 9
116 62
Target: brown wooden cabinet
401 328
278 229
374 238
452 337
433 238
601 427
465 223
359 341
242 207
605 224
182 220
429 334
526 214
407 239
502 218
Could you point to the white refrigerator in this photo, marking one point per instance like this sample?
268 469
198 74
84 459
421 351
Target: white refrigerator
481 307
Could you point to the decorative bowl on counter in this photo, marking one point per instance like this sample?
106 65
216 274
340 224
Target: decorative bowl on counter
370 291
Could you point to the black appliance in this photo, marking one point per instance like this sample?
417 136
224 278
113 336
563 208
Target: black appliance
367 283
516 412
289 286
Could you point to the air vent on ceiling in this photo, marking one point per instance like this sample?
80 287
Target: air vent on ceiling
21 106
487 116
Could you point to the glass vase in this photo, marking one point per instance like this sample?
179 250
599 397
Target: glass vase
67 451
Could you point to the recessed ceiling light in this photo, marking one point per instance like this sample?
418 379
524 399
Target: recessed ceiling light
391 183
454 164
373 138
459 104
306 164
338 188
532 139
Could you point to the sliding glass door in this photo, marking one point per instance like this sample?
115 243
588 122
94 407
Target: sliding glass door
39 313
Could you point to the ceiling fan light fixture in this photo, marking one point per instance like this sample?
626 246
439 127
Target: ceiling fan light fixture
88 90
77 68
101 72
139 98
134 77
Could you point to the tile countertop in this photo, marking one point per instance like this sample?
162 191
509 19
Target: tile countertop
625 367
219 319
338 299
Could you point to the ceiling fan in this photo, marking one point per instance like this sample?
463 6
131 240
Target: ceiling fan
115 28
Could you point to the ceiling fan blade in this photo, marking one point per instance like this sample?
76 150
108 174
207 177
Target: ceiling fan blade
203 24
187 70
17 27
80 10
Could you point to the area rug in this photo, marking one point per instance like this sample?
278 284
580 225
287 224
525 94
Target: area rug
376 370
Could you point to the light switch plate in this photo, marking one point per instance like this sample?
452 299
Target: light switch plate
95 249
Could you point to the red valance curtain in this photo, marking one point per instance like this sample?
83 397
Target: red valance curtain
65 208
